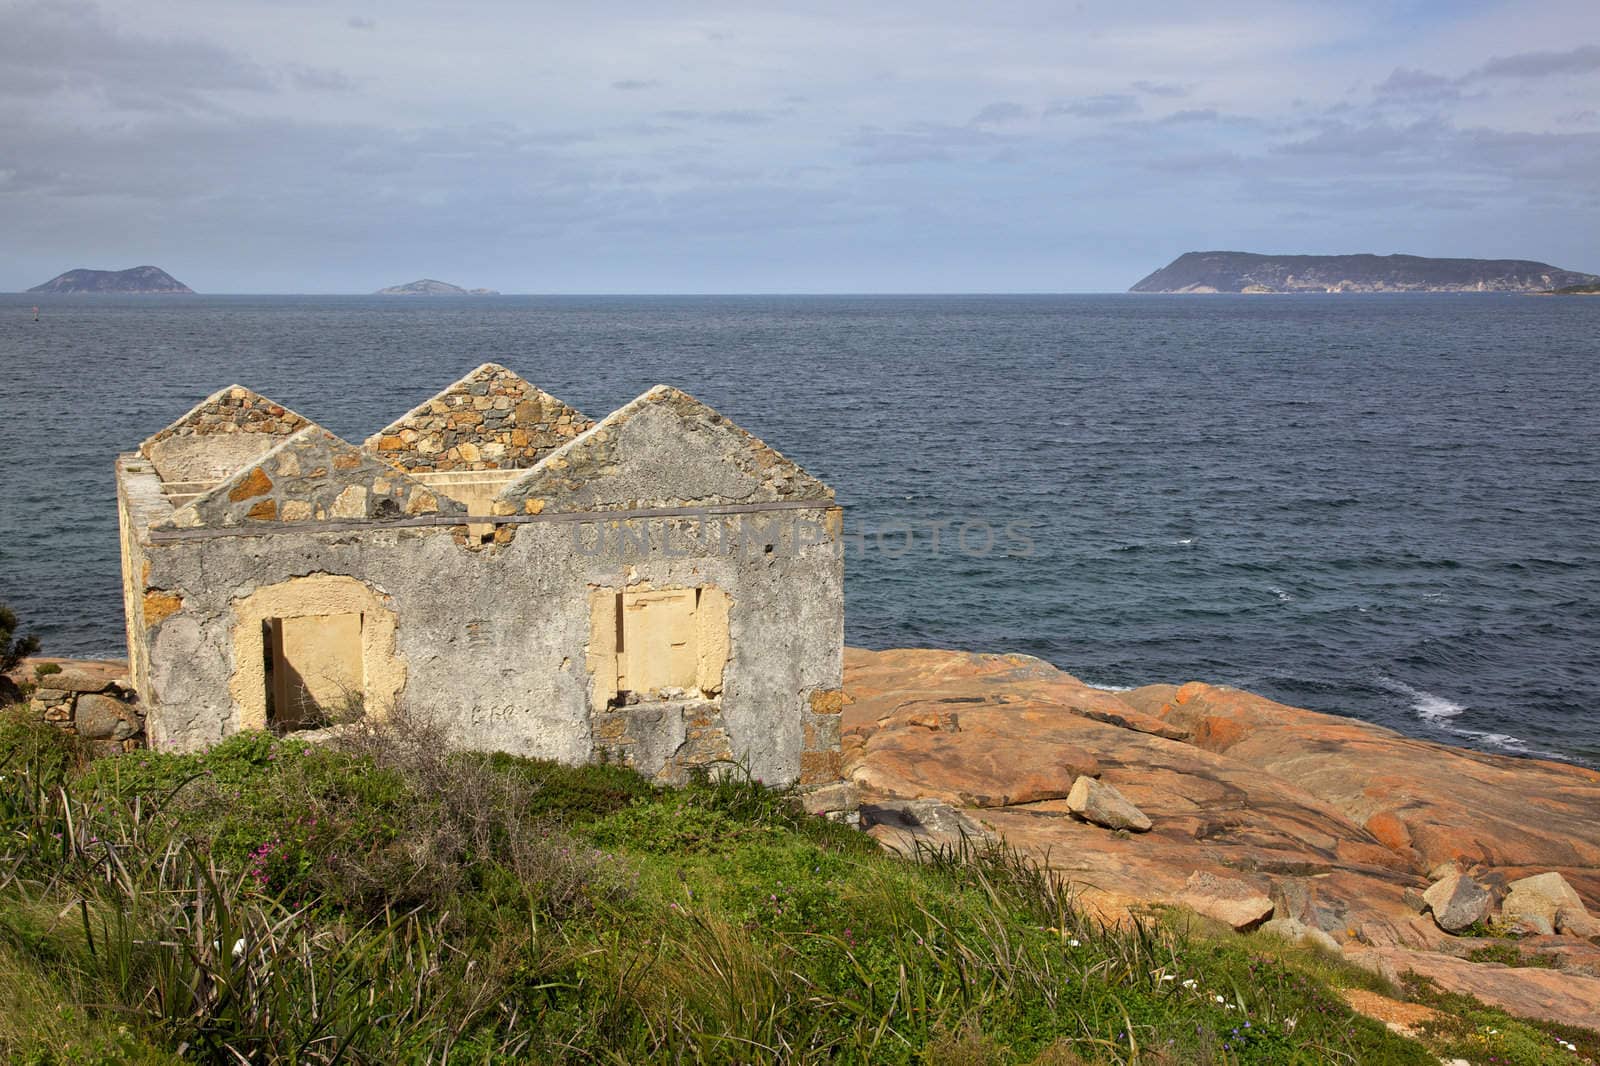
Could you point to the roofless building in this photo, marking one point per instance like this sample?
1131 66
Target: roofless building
659 587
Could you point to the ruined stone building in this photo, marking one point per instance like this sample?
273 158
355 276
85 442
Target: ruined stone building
658 587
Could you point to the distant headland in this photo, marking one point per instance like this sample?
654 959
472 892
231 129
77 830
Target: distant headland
430 287
1248 272
139 279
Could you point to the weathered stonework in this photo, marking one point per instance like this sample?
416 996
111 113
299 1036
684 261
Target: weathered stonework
625 463
589 618
218 435
665 739
103 714
313 476
492 419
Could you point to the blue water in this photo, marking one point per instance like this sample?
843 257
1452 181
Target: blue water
1377 506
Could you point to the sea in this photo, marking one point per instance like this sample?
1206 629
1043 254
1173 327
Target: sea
1383 506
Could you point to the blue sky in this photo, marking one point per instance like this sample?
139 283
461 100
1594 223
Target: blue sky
931 147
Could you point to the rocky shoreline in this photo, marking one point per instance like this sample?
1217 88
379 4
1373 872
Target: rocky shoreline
1401 854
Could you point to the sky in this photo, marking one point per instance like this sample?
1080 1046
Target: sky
254 146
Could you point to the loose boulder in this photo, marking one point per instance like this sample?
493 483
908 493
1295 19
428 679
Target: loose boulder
103 718
1457 902
1295 931
1535 901
1234 903
1095 801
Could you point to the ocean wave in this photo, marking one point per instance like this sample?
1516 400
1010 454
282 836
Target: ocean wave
1427 705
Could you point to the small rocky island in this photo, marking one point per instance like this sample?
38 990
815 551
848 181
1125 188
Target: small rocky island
1249 272
135 280
431 287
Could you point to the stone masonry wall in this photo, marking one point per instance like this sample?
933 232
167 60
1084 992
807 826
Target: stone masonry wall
228 429
101 712
232 410
314 476
492 419
664 739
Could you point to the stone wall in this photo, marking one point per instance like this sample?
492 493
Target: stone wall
313 477
220 434
103 713
492 419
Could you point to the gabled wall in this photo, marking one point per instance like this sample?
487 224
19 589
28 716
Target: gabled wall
226 430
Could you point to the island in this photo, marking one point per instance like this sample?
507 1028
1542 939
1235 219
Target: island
134 280
1249 272
431 287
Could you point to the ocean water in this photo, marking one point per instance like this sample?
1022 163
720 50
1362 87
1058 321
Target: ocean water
1380 506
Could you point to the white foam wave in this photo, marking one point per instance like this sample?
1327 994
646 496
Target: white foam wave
1109 688
1283 597
1429 707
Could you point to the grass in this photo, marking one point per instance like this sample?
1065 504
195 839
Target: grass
384 901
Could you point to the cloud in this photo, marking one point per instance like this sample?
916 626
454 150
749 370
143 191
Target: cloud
999 113
923 142
1582 60
1192 115
1105 105
1418 85
1158 88
726 117
635 85
361 22
50 48
319 79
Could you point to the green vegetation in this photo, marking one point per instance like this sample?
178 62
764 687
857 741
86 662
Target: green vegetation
13 648
382 901
1586 289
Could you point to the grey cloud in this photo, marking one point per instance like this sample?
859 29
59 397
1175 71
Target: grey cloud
727 117
999 113
1418 85
1339 138
634 85
1192 115
922 142
361 22
319 79
1582 60
70 46
1157 88
1105 105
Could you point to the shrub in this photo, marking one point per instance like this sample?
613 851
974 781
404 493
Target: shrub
13 648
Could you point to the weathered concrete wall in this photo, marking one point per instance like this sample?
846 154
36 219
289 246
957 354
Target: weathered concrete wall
495 642
664 449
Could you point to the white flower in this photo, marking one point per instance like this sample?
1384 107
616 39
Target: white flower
1074 944
1221 1000
238 948
1190 983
